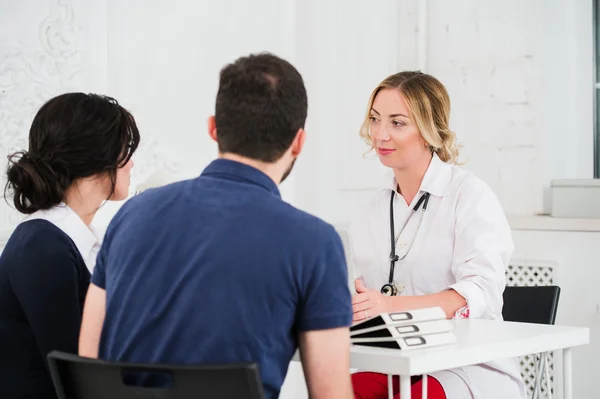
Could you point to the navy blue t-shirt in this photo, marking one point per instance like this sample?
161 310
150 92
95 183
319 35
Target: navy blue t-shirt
219 269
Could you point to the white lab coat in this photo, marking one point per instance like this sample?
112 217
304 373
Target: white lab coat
464 243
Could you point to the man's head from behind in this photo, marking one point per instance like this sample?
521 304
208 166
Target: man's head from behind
260 111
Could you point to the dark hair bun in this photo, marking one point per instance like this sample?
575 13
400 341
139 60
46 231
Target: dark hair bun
35 184
73 136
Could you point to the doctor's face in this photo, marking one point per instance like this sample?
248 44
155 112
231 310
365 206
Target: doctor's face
394 134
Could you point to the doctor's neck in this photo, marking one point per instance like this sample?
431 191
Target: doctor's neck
410 177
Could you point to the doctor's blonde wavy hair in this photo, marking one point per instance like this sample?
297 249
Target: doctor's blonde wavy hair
428 102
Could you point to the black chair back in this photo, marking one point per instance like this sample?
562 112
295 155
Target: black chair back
76 377
531 304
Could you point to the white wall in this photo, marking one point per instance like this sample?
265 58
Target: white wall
568 78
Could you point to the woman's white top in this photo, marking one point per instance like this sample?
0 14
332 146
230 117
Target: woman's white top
464 243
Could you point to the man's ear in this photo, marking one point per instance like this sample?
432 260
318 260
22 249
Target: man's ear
298 143
212 127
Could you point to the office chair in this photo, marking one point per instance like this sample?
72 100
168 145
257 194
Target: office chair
76 377
538 305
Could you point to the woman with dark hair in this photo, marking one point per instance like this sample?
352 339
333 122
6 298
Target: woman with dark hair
80 148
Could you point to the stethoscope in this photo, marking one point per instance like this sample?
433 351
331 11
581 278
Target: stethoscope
390 288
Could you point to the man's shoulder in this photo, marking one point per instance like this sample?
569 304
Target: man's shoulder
153 199
159 193
305 224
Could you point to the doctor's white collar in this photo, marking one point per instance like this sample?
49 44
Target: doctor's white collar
436 180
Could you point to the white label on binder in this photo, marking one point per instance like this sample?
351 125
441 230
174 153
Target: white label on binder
400 316
407 329
412 341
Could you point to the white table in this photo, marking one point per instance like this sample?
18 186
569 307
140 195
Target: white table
479 341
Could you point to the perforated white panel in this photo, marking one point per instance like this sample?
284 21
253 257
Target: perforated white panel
529 274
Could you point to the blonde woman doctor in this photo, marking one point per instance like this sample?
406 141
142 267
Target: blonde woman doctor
434 235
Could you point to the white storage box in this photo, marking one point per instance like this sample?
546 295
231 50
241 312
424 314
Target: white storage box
576 198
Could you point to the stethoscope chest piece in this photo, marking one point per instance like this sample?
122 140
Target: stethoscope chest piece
389 290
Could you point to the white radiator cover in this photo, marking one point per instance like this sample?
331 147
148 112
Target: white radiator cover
529 273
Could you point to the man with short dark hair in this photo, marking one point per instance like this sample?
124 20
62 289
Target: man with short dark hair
219 269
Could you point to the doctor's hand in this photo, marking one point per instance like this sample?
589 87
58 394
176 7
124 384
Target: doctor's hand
367 303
